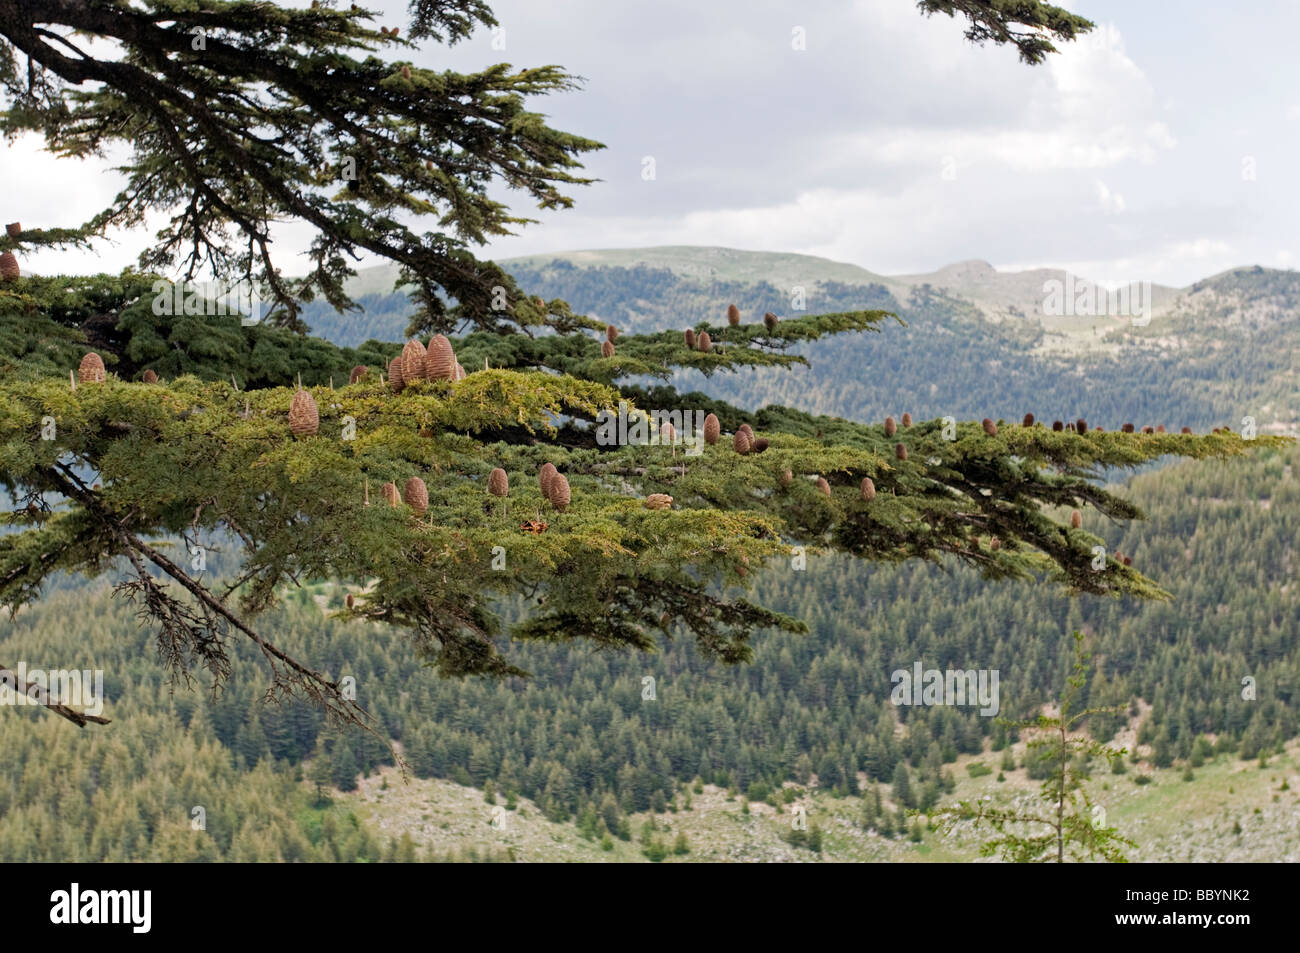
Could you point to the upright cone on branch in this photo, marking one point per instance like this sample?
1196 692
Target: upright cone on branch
1058 426
389 492
712 429
498 483
611 333
358 372
704 342
149 377
460 372
440 359
14 229
91 370
544 477
989 426
9 270
1076 519
1128 428
995 544
606 349
823 487
560 492
868 489
733 315
900 451
416 495
658 501
770 320
1028 421
741 442
304 418
1081 425
891 428
690 338
413 362
395 379
760 445
786 478
907 420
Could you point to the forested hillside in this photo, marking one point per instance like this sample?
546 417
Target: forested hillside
1227 348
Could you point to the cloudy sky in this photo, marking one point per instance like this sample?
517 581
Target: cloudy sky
1161 147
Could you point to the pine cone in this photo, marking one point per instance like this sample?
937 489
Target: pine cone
91 370
9 270
149 377
389 492
440 359
544 477
740 442
1076 520
760 445
1081 426
690 338
611 333
14 229
560 492
868 489
823 487
460 372
1029 420
606 349
705 342
1058 426
900 451
358 372
1160 428
406 72
995 544
416 495
907 420
1128 428
891 428
1147 429
498 483
658 501
413 362
712 429
668 434
395 381
350 601
1128 560
770 320
304 418
1187 430
786 478
989 426
733 315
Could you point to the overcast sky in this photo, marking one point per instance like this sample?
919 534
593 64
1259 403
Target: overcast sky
1162 147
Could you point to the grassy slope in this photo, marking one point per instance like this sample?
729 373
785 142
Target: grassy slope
1170 819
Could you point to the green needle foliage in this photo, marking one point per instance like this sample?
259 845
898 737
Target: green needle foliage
1073 825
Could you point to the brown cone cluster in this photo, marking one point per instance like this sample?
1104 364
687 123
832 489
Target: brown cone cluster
395 380
413 362
559 495
440 359
741 442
